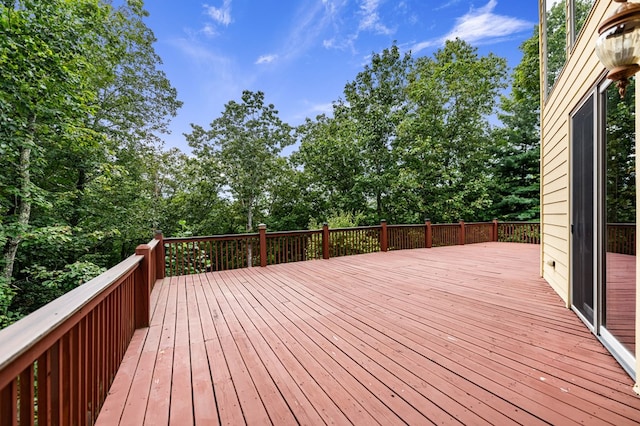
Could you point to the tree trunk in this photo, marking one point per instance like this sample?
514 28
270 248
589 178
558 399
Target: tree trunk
77 202
23 210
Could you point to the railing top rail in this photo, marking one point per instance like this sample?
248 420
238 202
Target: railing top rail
293 233
407 225
356 228
211 237
519 223
20 337
622 224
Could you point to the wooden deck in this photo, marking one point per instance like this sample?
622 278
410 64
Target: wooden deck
452 335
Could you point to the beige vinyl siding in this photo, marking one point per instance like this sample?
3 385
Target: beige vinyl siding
576 81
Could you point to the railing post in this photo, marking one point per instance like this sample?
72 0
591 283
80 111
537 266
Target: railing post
463 237
495 231
160 260
384 241
142 287
262 228
325 240
428 234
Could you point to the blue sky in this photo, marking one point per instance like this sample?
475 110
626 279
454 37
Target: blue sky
301 53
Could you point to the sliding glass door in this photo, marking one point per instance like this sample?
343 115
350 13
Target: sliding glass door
603 219
618 248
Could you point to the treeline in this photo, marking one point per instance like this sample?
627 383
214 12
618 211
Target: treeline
83 109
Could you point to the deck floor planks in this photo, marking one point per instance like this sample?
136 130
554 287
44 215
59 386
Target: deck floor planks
403 410
158 405
181 410
516 366
338 341
271 399
289 353
446 380
398 362
204 401
342 390
534 384
253 409
227 403
272 357
372 359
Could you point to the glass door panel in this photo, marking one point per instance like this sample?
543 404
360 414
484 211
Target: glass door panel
619 283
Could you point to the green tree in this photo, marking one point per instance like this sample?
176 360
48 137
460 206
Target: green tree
82 106
377 103
445 138
516 173
246 141
331 162
45 97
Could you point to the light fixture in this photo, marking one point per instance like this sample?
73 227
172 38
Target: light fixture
618 46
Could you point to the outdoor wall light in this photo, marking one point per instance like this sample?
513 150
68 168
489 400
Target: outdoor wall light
618 46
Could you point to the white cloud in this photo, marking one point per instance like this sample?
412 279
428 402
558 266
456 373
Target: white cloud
480 26
209 30
371 18
447 4
266 59
309 109
222 15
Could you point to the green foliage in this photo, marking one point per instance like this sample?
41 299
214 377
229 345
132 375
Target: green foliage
515 187
349 240
245 143
82 105
445 140
40 285
339 219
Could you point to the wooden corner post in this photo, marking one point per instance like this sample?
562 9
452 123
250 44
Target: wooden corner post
325 240
262 228
160 259
428 234
142 290
384 238
495 230
463 237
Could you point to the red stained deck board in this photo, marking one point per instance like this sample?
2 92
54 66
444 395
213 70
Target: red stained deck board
388 359
466 334
345 367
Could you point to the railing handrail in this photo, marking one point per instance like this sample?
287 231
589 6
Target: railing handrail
293 233
355 228
22 336
211 237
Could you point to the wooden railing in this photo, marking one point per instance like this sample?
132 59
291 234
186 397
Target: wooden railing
57 364
621 238
519 232
206 254
194 255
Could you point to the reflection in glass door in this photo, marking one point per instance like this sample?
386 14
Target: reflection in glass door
619 278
